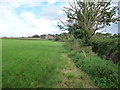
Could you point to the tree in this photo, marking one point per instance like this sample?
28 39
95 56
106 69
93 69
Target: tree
29 37
35 36
85 18
99 34
108 34
114 36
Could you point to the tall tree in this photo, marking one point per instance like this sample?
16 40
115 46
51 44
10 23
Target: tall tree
85 18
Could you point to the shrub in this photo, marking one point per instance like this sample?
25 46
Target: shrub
57 39
106 47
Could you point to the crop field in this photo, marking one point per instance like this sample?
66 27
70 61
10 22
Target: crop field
38 64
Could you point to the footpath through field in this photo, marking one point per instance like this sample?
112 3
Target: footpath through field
72 77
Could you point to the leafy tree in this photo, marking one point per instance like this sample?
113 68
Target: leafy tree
85 18
29 37
35 36
114 36
99 34
57 38
108 34
51 35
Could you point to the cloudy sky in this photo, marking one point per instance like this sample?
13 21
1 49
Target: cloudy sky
29 17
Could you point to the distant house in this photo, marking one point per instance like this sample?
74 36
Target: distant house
47 37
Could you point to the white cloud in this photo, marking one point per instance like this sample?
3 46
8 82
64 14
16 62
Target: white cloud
41 25
53 12
27 23
31 2
12 25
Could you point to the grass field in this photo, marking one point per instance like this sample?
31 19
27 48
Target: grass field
0 63
39 63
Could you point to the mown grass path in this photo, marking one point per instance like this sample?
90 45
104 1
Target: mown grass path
39 64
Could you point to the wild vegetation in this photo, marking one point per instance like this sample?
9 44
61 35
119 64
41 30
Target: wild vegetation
88 49
106 47
104 73
43 63
97 60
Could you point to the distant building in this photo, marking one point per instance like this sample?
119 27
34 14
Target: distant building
47 37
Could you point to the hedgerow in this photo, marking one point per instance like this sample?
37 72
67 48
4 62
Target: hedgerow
106 48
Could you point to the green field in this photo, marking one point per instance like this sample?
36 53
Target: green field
0 63
39 63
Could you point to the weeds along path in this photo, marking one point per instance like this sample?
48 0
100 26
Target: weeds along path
72 77
39 64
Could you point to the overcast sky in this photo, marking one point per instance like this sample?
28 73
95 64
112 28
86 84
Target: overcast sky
29 17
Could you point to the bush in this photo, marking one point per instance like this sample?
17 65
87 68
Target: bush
57 39
74 44
106 47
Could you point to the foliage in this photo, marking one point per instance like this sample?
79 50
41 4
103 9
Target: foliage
35 36
106 47
57 39
85 18
114 36
104 73
63 37
104 34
